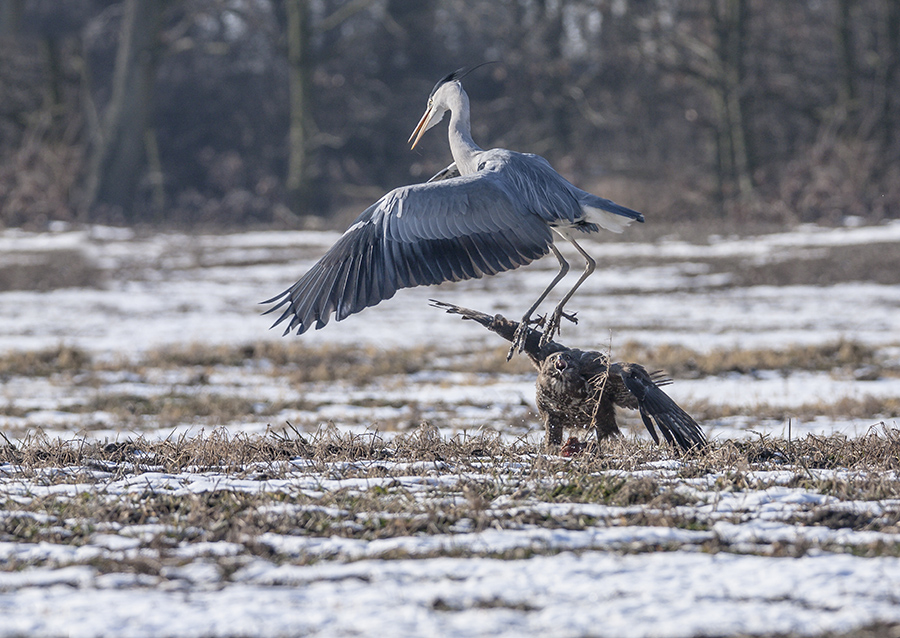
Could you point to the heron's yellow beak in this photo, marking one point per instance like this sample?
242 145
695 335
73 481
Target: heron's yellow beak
421 127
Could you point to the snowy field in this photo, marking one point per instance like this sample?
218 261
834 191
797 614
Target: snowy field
133 365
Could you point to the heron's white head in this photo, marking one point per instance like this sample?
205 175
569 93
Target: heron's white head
446 93
438 104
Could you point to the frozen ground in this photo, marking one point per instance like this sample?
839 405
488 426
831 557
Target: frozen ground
456 548
780 551
169 291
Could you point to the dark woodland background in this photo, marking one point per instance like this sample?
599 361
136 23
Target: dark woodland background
287 112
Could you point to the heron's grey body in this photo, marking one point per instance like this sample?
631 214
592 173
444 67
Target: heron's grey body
490 211
581 388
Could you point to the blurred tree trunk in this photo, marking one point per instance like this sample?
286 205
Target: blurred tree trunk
11 12
416 22
54 71
731 17
10 16
890 74
118 155
553 95
300 72
847 56
712 50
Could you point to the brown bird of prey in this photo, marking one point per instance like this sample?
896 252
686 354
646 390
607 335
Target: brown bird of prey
580 388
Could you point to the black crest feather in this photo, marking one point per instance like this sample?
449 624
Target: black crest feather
458 75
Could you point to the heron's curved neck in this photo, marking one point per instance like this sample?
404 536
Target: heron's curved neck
463 148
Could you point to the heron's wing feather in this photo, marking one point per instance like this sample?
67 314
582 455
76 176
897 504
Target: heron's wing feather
447 230
446 173
656 407
559 200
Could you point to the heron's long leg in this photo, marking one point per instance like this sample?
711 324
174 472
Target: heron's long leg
518 343
553 322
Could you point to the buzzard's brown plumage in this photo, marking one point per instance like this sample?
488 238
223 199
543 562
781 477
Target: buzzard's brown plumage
580 388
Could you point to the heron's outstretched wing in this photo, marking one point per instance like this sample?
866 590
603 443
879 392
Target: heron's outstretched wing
657 407
448 230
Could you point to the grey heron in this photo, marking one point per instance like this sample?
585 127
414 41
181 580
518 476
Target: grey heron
581 388
488 212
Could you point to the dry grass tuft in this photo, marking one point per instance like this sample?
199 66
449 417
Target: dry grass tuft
681 361
877 451
866 407
491 361
302 363
173 408
43 363
217 450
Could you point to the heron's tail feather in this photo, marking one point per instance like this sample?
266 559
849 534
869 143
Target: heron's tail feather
611 207
609 215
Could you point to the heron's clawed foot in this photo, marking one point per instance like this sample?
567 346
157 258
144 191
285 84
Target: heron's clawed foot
518 341
546 338
551 326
